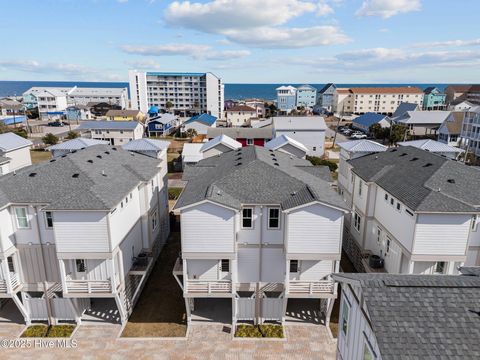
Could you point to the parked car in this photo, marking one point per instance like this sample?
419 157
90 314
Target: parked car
57 123
346 131
358 135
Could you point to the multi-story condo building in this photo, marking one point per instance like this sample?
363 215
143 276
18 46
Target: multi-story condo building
471 132
54 99
325 96
413 212
456 93
86 225
240 115
286 98
433 99
306 96
277 233
382 100
188 93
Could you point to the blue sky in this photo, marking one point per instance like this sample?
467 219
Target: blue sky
243 41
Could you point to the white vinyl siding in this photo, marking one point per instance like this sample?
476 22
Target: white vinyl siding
273 265
202 269
314 229
208 228
313 270
81 231
437 234
248 270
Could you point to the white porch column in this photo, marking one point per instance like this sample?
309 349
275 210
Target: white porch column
6 274
63 275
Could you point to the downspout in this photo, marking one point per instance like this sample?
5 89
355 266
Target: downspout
51 320
259 304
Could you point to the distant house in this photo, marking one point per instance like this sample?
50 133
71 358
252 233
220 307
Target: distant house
307 130
363 122
286 98
461 105
200 123
287 145
100 109
435 147
325 97
387 317
245 136
150 147
74 145
9 107
125 115
4 168
163 124
404 107
240 115
191 154
219 145
306 96
462 92
16 149
78 112
116 132
451 129
258 105
228 104
433 99
421 123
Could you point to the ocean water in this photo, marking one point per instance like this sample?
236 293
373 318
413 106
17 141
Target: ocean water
232 91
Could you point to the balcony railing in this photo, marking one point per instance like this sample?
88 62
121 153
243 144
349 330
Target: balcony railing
209 287
14 283
300 287
88 286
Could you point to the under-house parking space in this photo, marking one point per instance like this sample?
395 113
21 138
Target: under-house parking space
214 310
304 311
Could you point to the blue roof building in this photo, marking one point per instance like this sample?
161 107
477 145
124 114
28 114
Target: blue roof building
200 123
364 121
164 124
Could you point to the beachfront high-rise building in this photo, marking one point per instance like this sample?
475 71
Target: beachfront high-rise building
188 93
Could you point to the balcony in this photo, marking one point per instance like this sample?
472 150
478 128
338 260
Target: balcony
315 289
209 288
79 287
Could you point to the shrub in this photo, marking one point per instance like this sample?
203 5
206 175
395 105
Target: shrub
35 331
271 331
50 139
72 135
60 331
315 160
248 331
259 331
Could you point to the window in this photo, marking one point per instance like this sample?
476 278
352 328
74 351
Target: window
360 188
392 201
80 265
48 219
273 218
387 250
345 314
439 267
386 197
154 220
379 235
22 218
474 223
293 266
11 266
399 207
225 265
314 148
356 221
249 141
247 219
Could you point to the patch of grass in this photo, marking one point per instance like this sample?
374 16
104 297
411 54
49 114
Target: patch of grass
174 193
35 331
60 331
39 156
259 331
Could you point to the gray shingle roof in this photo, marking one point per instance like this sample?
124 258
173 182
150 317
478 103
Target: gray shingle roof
255 175
241 133
422 316
423 181
108 125
106 174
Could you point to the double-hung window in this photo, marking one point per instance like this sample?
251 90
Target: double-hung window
273 218
368 353
80 265
22 217
225 265
247 218
48 219
293 266
345 315
357 221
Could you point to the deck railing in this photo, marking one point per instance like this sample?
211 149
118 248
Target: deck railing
3 286
209 287
311 287
89 286
14 280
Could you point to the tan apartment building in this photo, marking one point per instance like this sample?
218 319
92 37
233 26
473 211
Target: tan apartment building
382 100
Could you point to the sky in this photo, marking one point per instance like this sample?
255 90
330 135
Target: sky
243 41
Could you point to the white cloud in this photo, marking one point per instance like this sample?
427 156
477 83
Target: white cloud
194 51
122 1
387 8
450 43
217 16
38 67
144 64
270 37
324 9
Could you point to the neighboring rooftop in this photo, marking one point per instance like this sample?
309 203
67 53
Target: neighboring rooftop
455 122
123 113
221 139
255 175
191 152
423 181
299 123
163 118
10 141
362 146
325 88
206 119
108 125
422 117
283 140
404 107
431 145
77 144
464 88
387 90
146 144
242 108
421 316
95 178
306 87
241 133
368 119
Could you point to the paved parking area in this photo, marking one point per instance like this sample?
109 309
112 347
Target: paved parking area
203 342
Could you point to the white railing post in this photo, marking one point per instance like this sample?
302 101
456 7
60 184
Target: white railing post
89 287
311 288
